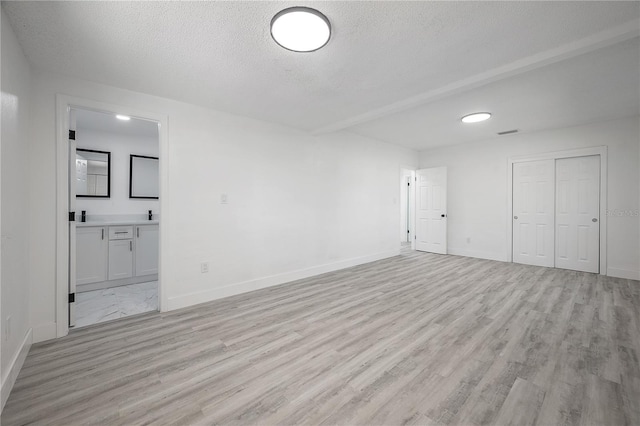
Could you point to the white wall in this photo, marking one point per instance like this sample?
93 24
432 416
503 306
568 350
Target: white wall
298 204
120 146
15 171
477 188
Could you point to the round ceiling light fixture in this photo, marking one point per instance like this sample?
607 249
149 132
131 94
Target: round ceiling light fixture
300 29
476 117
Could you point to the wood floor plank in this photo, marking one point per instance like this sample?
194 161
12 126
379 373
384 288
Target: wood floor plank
415 339
522 404
604 404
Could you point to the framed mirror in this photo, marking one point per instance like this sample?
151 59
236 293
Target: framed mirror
93 173
144 177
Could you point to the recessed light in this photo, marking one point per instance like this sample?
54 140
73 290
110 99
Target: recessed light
300 29
476 117
123 117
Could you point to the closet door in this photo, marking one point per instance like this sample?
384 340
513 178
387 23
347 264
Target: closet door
578 213
431 210
533 212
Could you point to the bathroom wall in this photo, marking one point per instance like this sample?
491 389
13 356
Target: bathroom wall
120 146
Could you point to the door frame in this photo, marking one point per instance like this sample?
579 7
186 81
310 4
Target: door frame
579 152
63 104
411 203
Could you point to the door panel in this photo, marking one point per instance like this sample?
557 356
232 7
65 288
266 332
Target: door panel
91 251
541 236
431 214
578 213
147 244
120 259
533 212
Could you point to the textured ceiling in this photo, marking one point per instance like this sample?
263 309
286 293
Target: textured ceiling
381 54
102 122
599 85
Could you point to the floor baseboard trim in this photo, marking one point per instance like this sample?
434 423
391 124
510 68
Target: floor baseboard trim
195 298
81 288
15 366
476 254
623 273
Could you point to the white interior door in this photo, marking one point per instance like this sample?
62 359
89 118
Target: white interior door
431 210
72 224
533 212
578 213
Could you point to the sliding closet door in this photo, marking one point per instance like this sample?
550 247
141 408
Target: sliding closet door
533 212
578 213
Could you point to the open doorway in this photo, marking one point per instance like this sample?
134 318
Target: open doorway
114 239
407 181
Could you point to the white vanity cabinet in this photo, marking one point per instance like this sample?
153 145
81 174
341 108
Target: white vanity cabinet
147 244
91 259
115 254
120 252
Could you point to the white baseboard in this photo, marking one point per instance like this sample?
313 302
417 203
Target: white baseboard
9 379
44 332
476 254
81 288
623 273
195 298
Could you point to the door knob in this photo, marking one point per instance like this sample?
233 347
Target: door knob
443 215
594 220
515 217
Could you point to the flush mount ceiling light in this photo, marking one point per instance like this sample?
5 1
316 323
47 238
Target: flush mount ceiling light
123 117
300 29
476 117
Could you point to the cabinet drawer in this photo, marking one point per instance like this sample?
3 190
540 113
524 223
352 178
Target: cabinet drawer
120 232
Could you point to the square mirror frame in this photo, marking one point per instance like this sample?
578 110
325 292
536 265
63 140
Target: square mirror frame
131 195
108 173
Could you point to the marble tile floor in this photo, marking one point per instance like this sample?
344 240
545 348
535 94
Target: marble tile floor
97 306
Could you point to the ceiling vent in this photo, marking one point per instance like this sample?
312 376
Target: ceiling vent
508 132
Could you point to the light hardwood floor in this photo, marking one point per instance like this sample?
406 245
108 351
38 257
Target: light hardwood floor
417 339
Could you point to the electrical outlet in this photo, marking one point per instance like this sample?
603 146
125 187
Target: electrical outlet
224 199
204 267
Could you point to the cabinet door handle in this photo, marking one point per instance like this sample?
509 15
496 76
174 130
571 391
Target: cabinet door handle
102 234
138 232
130 245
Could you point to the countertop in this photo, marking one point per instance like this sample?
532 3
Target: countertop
116 223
